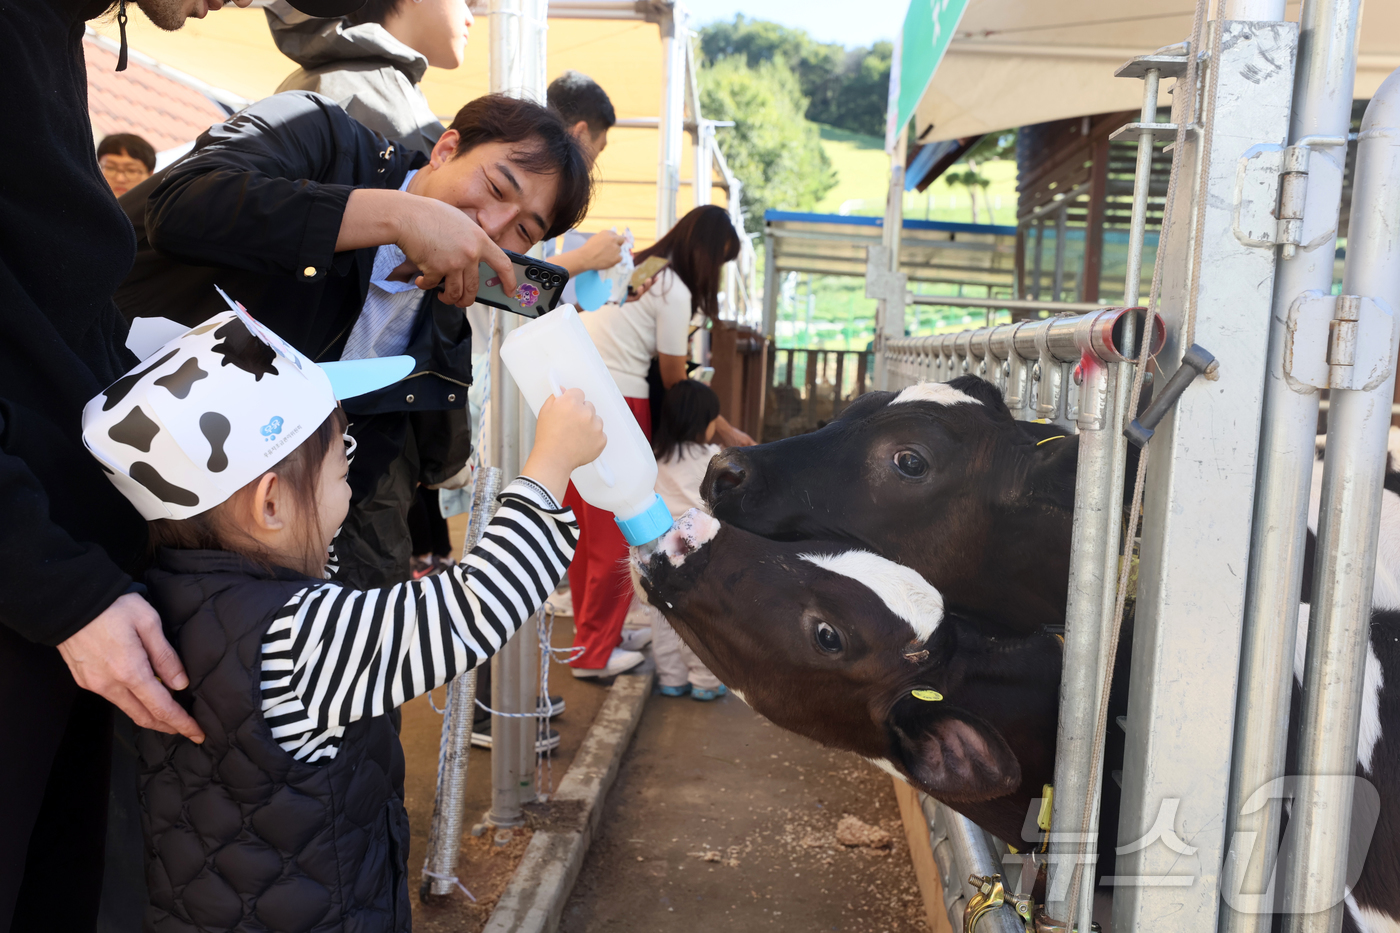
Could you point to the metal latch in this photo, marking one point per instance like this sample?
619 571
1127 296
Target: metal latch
991 894
1196 361
1338 342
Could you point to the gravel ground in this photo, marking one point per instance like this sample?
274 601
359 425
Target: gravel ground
721 821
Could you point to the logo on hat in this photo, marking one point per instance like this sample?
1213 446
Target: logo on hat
272 428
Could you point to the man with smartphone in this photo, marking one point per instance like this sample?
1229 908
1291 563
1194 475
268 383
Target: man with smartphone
351 247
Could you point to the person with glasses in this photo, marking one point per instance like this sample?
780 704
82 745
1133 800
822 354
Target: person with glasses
126 160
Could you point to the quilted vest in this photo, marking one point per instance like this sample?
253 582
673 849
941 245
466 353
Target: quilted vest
239 835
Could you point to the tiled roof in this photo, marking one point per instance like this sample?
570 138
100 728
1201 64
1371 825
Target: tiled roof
140 100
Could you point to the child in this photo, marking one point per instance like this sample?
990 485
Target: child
689 419
290 815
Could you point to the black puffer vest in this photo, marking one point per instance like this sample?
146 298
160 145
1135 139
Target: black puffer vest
239 836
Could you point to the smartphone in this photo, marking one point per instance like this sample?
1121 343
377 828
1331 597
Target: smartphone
539 285
649 267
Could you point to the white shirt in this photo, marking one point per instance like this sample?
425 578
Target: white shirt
628 336
386 322
678 477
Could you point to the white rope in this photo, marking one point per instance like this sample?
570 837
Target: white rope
452 878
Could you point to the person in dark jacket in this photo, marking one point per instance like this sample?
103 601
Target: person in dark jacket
70 615
300 212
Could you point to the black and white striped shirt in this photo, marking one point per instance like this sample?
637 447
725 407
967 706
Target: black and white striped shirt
334 655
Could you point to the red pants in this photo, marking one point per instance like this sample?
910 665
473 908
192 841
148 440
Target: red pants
599 582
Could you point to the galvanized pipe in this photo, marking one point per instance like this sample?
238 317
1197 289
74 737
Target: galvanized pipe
449 803
1326 71
1066 339
961 848
1348 527
1061 216
672 115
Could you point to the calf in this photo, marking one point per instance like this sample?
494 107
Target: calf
939 477
856 652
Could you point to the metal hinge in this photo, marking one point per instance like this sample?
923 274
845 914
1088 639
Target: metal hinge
1338 342
1271 193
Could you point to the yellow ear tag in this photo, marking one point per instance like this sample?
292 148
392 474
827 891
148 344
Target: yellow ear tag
932 696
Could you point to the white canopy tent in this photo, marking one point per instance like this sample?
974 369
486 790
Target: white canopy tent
1016 62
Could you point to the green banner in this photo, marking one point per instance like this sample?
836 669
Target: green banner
928 28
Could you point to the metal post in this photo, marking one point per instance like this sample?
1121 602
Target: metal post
889 308
673 31
770 288
1216 289
1039 254
1321 107
704 164
445 832
1358 421
1060 234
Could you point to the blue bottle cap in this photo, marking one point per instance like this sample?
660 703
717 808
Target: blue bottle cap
648 526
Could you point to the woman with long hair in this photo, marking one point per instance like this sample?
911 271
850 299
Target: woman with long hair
655 325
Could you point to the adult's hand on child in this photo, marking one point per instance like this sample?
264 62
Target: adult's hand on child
120 654
446 247
568 434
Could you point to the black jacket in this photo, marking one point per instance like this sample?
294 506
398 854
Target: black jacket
256 209
239 835
67 537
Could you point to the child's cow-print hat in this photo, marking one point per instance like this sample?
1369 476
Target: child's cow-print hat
215 408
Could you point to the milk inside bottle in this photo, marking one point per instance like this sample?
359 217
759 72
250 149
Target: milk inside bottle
553 353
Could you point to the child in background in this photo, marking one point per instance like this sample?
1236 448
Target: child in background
689 419
289 815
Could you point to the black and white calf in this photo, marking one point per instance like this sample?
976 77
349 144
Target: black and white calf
942 480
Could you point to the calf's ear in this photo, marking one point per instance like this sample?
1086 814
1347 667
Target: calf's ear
951 754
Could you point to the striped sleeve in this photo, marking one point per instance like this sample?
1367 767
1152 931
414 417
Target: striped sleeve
334 655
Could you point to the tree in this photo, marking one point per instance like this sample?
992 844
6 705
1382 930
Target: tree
848 89
773 149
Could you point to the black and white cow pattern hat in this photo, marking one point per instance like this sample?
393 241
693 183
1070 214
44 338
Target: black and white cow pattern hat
212 410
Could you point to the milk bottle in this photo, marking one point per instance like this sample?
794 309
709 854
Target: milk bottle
553 353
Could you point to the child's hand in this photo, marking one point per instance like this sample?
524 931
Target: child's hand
568 434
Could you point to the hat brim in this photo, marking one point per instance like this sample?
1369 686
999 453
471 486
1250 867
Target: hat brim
327 8
350 378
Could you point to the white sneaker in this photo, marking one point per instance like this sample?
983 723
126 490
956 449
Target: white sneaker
635 639
619 661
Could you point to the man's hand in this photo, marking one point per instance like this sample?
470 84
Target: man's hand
603 250
120 654
445 246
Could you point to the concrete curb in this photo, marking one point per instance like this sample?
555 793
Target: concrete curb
534 900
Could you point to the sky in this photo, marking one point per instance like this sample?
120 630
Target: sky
825 20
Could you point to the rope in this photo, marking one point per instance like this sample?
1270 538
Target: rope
453 879
1139 374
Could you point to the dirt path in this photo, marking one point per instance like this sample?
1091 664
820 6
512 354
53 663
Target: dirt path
720 821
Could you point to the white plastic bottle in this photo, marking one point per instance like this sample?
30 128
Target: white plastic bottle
553 353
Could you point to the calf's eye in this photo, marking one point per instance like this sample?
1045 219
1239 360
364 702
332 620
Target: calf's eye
828 639
910 463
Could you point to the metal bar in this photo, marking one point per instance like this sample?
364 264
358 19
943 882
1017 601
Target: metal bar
1353 471
1039 255
1059 279
449 814
1065 339
770 287
1215 290
953 301
961 848
517 69
1322 95
889 310
672 115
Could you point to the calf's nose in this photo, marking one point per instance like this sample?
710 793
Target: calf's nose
726 473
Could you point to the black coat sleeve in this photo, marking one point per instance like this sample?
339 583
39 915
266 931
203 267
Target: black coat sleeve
51 584
266 191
